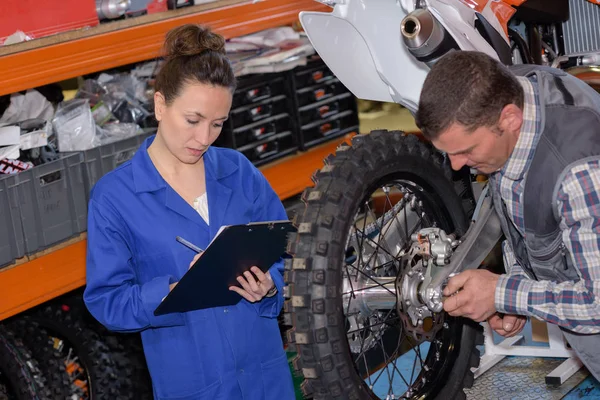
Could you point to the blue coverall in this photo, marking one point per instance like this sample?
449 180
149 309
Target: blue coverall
224 353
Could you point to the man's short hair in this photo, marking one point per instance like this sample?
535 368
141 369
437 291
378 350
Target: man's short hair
466 87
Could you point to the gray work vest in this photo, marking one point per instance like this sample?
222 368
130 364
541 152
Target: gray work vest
570 120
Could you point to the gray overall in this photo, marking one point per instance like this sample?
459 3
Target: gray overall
570 115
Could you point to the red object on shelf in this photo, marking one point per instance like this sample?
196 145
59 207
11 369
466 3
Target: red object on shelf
157 6
38 18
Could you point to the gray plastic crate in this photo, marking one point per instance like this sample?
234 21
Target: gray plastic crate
103 159
12 242
52 202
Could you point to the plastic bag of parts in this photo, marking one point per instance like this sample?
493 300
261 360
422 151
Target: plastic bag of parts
24 106
116 98
74 126
123 86
118 131
34 133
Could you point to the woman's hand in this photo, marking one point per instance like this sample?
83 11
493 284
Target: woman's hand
254 290
196 257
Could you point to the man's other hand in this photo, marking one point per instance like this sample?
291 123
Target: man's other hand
507 325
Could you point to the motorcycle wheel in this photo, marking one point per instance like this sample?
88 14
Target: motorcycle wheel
345 355
20 376
49 361
92 370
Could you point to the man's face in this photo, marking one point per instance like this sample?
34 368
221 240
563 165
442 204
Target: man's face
485 149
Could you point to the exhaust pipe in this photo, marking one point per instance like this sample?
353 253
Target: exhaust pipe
426 39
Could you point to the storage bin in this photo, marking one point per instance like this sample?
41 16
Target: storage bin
51 201
103 159
320 92
255 112
321 131
314 73
326 109
261 130
257 88
270 149
12 243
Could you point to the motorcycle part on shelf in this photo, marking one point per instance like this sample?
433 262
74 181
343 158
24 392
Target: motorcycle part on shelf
19 371
51 364
111 9
139 7
352 250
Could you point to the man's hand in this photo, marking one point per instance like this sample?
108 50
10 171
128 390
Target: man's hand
476 297
507 325
254 290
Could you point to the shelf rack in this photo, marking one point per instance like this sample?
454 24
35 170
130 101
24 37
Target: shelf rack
113 44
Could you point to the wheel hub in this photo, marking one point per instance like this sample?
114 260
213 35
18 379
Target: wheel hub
366 297
417 319
431 248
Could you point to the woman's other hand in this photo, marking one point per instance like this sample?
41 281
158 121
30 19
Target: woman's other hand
196 257
252 289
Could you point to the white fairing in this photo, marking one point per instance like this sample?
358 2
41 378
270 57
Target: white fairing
347 55
360 41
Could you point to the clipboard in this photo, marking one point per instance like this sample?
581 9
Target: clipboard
234 250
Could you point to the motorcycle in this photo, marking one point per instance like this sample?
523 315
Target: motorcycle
387 221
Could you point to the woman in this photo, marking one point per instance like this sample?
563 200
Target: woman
178 185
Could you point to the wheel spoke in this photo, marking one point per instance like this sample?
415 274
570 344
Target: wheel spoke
372 279
377 324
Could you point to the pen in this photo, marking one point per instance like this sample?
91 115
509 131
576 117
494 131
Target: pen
188 244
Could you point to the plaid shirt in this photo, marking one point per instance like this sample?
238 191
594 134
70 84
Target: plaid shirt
575 306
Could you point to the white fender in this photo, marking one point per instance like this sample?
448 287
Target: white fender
360 42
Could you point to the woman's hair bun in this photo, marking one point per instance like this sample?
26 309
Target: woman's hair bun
191 40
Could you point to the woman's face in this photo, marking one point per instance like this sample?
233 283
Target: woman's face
194 119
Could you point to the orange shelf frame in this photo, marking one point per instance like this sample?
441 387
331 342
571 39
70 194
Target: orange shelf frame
90 53
62 269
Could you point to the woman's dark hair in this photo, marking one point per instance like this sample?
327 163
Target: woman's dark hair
193 53
466 87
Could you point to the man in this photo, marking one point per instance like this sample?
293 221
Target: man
536 132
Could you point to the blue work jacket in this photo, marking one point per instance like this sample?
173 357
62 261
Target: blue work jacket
224 353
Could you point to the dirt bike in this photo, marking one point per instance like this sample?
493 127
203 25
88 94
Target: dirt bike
387 221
